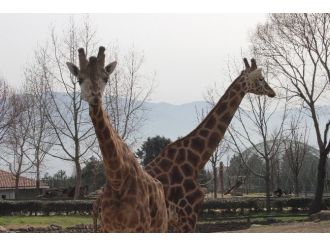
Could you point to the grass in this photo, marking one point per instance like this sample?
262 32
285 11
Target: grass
297 227
254 217
64 221
71 220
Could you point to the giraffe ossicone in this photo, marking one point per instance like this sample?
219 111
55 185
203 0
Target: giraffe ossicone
92 75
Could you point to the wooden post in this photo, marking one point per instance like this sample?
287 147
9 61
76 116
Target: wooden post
221 179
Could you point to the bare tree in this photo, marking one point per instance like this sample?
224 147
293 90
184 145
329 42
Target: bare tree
41 135
69 117
16 149
5 119
126 94
297 48
252 129
295 149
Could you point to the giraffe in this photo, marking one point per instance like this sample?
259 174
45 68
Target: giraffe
179 163
132 200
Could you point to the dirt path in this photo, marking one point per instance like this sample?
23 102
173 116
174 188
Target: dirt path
297 227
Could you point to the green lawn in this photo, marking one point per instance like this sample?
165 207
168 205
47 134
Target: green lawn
66 221
63 221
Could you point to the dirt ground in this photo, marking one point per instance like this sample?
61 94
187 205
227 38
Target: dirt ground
293 227
238 227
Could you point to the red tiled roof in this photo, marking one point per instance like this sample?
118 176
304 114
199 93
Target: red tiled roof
7 181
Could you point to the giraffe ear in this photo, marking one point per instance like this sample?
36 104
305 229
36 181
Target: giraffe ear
111 67
73 69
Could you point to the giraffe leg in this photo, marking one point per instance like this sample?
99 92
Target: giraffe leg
96 212
187 218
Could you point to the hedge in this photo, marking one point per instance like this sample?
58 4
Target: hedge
45 207
258 204
85 206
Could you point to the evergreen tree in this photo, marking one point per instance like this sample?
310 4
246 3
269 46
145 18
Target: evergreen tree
93 174
151 148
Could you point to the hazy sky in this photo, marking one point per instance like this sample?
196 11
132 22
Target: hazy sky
188 52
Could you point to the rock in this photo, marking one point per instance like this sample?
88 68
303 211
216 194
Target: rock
30 229
255 225
322 215
2 229
55 227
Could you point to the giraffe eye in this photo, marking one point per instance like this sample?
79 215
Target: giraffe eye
105 79
80 80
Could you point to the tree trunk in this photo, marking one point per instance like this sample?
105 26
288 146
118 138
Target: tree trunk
78 181
38 174
221 179
267 180
271 177
16 184
215 184
296 185
38 179
316 205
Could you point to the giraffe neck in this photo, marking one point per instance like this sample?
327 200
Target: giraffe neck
208 134
117 158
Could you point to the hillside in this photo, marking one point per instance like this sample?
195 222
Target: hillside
173 121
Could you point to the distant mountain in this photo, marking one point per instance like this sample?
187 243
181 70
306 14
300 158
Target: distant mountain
173 121
164 119
170 120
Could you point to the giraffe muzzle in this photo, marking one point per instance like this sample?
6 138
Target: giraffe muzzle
272 94
94 101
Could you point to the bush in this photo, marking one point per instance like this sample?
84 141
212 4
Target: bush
326 203
45 207
257 204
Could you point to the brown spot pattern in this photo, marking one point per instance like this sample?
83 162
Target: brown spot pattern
187 170
192 158
171 153
181 156
106 133
234 102
237 87
210 122
176 176
222 107
194 196
163 179
204 133
189 185
214 140
198 144
165 165
176 194
226 117
222 128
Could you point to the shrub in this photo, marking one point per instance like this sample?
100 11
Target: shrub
45 207
257 204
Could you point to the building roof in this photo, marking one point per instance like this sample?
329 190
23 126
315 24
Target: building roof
7 181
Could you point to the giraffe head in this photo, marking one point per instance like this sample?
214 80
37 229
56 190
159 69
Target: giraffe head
255 81
92 75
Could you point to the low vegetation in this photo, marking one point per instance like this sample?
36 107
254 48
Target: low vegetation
60 220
